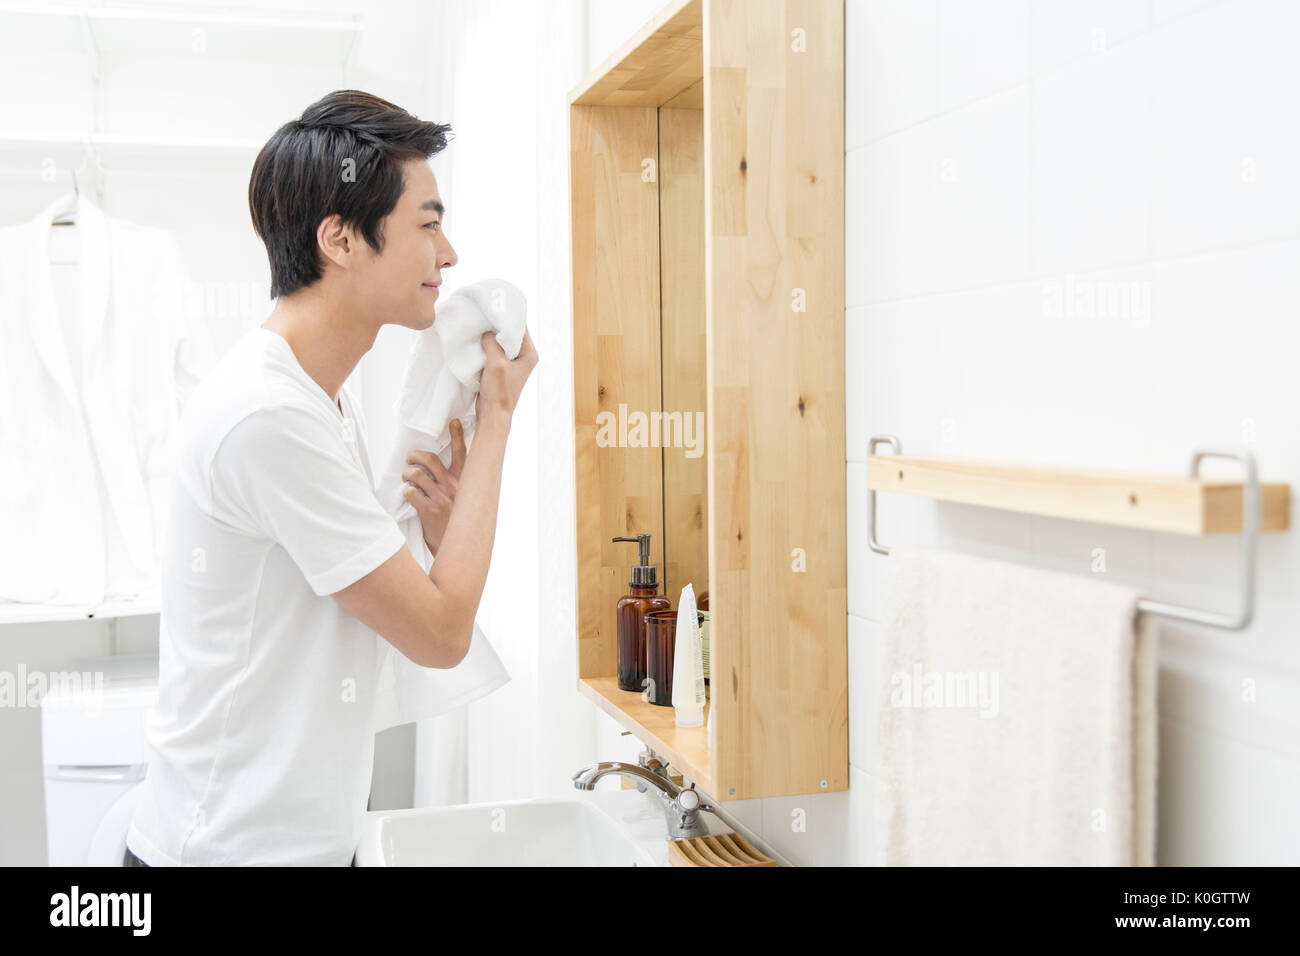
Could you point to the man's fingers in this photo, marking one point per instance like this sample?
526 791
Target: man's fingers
490 344
417 478
417 498
457 447
426 504
433 466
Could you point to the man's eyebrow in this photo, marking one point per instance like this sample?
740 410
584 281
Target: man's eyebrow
435 205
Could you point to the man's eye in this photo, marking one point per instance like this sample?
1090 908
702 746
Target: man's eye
428 224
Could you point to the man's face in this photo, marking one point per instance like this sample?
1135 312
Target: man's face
399 285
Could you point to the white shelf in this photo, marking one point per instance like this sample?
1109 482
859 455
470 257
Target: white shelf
40 613
112 30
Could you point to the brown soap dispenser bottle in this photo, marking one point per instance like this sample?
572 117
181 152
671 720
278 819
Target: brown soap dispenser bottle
632 608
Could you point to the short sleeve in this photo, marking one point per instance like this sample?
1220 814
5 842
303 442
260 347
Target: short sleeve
285 473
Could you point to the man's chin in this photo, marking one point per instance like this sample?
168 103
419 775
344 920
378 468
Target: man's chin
417 321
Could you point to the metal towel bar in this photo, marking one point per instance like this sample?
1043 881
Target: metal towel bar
1249 548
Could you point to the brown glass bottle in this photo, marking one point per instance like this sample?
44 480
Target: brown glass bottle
642 598
661 653
632 610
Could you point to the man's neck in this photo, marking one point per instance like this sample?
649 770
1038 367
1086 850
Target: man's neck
328 340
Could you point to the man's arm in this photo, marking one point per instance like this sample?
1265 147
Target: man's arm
430 619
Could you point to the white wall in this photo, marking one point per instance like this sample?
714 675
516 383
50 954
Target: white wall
998 154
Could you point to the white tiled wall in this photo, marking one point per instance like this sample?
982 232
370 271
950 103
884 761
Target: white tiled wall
1005 157
999 156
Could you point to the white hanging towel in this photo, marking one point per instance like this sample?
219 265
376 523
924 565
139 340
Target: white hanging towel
440 383
1016 722
97 358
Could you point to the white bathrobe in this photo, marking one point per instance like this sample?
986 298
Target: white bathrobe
86 425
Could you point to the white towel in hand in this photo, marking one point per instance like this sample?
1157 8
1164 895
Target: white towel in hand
442 377
1016 718
440 383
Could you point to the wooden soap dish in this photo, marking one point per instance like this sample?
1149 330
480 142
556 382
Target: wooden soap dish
721 849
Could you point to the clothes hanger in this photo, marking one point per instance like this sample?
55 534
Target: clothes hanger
67 216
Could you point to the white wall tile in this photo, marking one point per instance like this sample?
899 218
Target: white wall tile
988 532
1120 556
1225 144
748 813
860 195
1214 690
859 552
1165 10
892 232
907 338
890 73
874 358
1224 344
862 839
809 829
983 48
1222 803
864 691
982 366
1064 30
862 392
1089 132
983 171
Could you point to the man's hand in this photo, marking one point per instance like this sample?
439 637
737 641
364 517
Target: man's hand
503 379
431 487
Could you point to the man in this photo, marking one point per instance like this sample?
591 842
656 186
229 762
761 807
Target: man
280 567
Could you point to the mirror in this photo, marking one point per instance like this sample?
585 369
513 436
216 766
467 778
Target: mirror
683 343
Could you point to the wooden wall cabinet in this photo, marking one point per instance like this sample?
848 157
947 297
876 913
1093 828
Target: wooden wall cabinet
707 185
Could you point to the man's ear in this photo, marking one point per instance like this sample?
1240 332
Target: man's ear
337 242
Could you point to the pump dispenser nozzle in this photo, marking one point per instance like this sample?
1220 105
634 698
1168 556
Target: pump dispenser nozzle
643 575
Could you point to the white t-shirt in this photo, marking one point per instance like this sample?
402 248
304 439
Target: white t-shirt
262 739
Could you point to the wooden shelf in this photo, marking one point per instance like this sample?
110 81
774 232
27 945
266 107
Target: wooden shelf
660 60
707 224
1153 502
686 749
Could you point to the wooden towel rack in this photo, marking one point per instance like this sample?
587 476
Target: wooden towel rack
1190 505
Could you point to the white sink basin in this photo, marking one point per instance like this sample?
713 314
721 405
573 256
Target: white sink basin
593 828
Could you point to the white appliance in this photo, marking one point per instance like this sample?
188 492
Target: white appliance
95 754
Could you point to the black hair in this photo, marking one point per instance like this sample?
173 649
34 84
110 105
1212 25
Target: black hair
301 177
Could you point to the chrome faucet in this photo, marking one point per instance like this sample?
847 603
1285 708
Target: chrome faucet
681 804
